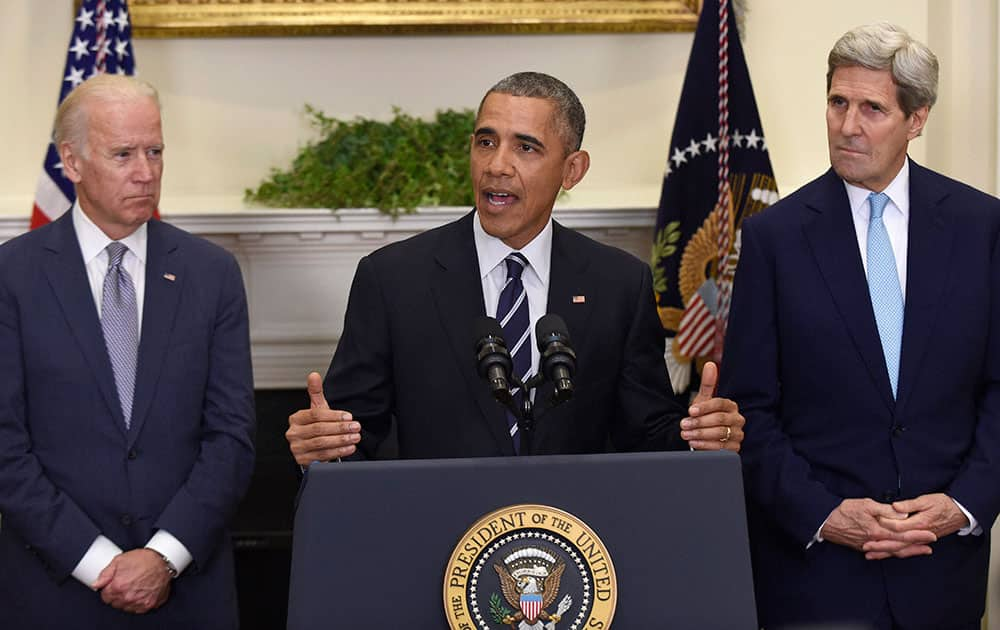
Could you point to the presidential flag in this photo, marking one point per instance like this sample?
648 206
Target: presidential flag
718 173
101 42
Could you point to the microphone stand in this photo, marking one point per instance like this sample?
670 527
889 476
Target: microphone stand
525 415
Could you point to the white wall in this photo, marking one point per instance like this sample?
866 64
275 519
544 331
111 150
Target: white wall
962 139
234 105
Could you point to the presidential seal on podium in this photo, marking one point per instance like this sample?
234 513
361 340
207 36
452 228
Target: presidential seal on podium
530 567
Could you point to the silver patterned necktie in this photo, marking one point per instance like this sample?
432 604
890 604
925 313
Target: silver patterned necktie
884 288
120 323
512 313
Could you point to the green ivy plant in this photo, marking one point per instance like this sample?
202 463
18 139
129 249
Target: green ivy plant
395 166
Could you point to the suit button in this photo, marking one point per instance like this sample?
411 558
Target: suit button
888 495
126 520
898 430
132 454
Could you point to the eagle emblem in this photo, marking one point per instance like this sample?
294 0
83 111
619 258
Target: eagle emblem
529 579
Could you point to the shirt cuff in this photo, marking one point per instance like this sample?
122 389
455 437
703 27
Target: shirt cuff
818 536
973 526
100 554
170 548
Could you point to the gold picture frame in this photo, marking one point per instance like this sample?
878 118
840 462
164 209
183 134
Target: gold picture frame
237 18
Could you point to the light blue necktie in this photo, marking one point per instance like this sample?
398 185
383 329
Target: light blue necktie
512 313
120 323
883 286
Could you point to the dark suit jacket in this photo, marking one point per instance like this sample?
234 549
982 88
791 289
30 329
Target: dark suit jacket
804 361
408 351
68 469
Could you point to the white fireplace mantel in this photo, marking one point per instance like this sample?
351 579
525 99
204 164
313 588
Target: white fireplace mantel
298 266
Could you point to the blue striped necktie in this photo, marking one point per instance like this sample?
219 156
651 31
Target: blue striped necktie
512 313
883 286
120 323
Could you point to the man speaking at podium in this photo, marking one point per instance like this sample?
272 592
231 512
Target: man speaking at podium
408 347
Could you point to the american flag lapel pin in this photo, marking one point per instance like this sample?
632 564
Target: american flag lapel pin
579 299
169 276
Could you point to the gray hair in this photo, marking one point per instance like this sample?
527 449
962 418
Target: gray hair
884 46
570 117
72 117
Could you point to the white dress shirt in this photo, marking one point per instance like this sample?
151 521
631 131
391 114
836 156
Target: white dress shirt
535 277
896 218
93 243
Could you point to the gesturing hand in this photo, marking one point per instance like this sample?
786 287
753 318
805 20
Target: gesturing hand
320 433
713 423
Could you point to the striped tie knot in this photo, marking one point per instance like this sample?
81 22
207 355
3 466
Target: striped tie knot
116 252
516 262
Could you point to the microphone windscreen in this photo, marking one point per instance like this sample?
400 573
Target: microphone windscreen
550 325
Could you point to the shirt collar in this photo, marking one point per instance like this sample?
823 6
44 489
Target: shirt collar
898 192
93 240
491 251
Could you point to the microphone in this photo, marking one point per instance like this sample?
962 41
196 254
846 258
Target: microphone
492 358
558 361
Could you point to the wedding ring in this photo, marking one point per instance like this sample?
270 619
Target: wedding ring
729 431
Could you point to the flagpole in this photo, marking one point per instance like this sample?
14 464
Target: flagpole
722 205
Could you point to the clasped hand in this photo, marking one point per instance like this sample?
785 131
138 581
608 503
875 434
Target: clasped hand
900 530
136 581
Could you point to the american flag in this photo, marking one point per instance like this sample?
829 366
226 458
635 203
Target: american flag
101 42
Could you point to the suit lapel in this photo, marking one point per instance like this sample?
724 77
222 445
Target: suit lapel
158 315
568 279
67 275
929 246
831 236
454 281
